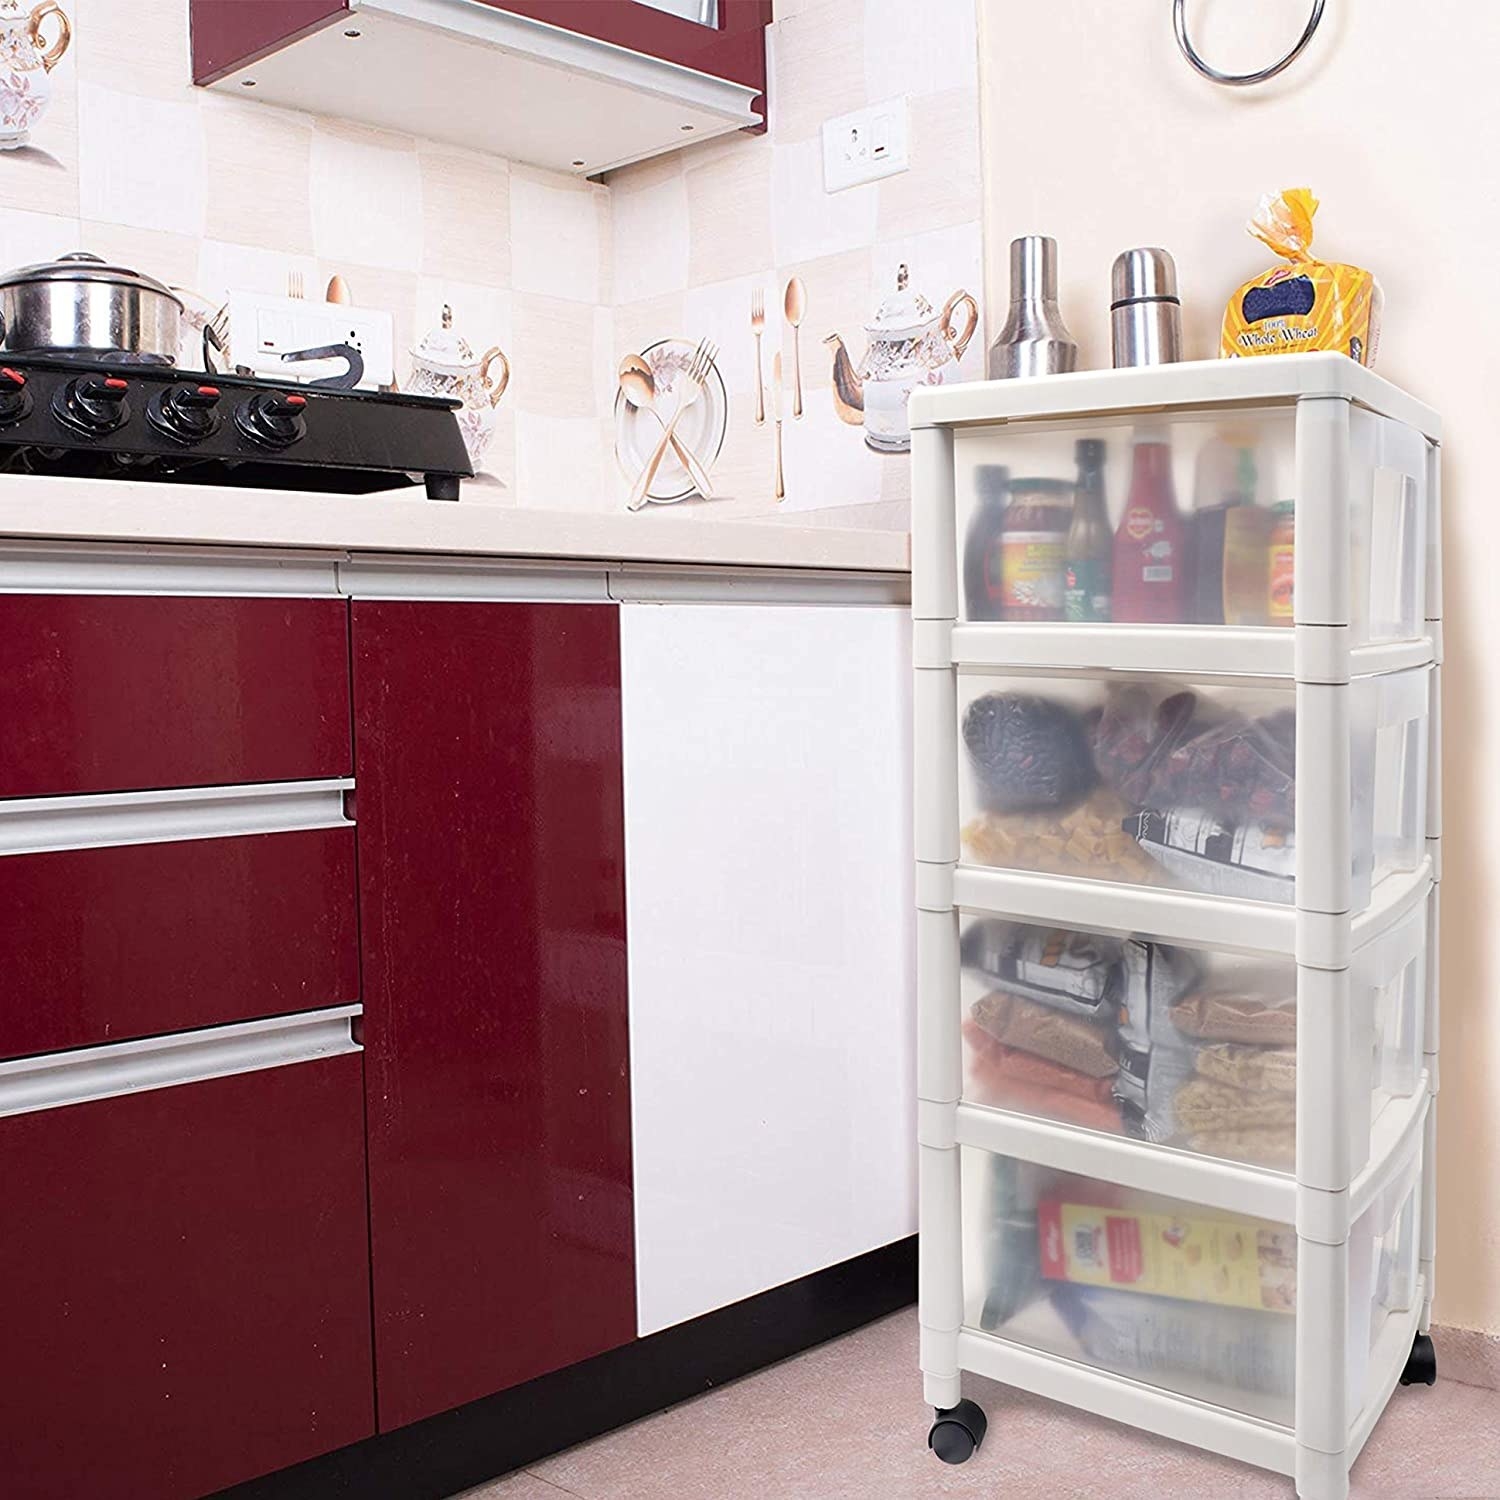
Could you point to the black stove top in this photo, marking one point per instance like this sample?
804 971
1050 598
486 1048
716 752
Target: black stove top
107 417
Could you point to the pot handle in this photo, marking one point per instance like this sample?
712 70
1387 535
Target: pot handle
52 55
960 341
497 389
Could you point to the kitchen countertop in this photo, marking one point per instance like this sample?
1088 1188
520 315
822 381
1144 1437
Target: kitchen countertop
37 508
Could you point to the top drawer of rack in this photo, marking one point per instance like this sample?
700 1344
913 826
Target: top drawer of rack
1249 515
1195 385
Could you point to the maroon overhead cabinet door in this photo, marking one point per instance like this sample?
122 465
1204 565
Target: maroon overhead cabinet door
110 693
491 854
184 1293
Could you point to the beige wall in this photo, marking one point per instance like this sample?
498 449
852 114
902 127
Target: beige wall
1096 132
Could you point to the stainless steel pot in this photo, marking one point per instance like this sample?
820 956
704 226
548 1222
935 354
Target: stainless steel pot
80 304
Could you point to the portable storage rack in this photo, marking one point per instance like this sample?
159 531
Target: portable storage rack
1367 625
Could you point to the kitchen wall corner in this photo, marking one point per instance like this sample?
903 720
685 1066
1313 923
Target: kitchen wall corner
211 192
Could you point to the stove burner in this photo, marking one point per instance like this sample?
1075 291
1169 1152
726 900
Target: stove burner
117 416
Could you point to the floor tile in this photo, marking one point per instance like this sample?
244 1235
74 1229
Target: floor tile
846 1422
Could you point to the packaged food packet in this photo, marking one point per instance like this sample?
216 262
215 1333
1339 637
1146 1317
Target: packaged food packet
1305 305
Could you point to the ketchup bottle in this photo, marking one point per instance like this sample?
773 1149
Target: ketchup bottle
1150 583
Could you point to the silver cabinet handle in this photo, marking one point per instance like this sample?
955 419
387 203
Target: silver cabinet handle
33 825
92 1073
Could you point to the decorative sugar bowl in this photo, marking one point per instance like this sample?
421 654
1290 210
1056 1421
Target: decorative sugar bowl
444 364
25 61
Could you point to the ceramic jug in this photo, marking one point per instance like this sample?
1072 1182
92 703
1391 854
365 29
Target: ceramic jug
25 61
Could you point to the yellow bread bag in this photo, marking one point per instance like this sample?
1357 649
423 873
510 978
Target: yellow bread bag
1304 305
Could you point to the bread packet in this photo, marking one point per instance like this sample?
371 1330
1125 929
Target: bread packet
1306 304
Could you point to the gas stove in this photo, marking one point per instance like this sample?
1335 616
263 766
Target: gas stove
112 417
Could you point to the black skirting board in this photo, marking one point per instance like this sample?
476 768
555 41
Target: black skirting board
458 1449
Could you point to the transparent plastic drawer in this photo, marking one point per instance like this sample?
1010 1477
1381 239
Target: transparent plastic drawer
1194 1300
1184 518
1189 784
1179 1046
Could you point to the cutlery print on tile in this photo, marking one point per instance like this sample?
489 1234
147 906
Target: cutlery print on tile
794 304
758 327
639 388
691 391
776 400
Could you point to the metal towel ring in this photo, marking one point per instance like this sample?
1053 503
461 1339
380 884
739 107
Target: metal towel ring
1240 80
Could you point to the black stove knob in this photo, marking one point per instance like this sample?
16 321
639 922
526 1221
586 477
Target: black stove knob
272 419
15 399
93 404
185 412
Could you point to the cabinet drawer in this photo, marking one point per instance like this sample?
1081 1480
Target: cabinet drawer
1191 1047
1197 1301
183 1275
1188 783
102 944
114 693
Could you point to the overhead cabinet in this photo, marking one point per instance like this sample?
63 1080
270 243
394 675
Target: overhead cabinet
578 86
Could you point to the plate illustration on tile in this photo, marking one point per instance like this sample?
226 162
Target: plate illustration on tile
701 428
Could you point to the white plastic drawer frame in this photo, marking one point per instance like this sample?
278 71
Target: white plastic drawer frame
1331 1189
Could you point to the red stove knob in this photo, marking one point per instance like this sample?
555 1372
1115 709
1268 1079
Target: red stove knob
185 413
93 404
15 399
272 419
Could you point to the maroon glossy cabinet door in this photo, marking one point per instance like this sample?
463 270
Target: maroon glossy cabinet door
109 693
491 853
105 944
184 1294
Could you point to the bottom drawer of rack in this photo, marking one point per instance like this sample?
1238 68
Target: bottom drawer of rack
1195 1301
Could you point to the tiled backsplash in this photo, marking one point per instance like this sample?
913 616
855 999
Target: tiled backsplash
695 233
209 192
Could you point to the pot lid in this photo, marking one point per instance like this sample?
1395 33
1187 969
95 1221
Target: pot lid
79 265
903 312
445 350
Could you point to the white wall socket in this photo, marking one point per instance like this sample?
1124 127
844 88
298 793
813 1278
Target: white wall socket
865 145
262 328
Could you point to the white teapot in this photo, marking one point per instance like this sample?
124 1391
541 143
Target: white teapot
910 345
25 62
443 364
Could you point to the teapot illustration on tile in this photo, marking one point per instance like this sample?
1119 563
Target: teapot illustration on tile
910 345
444 364
25 61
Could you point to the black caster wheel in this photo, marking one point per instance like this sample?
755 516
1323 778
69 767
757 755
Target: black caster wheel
957 1432
1421 1363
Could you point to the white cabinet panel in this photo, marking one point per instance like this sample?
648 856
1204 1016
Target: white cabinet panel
768 888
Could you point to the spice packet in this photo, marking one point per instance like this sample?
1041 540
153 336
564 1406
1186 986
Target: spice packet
1306 304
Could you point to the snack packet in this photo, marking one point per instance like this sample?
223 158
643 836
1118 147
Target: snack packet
1305 305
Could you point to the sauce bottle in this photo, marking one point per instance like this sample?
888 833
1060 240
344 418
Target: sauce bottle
1090 545
984 581
1150 583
